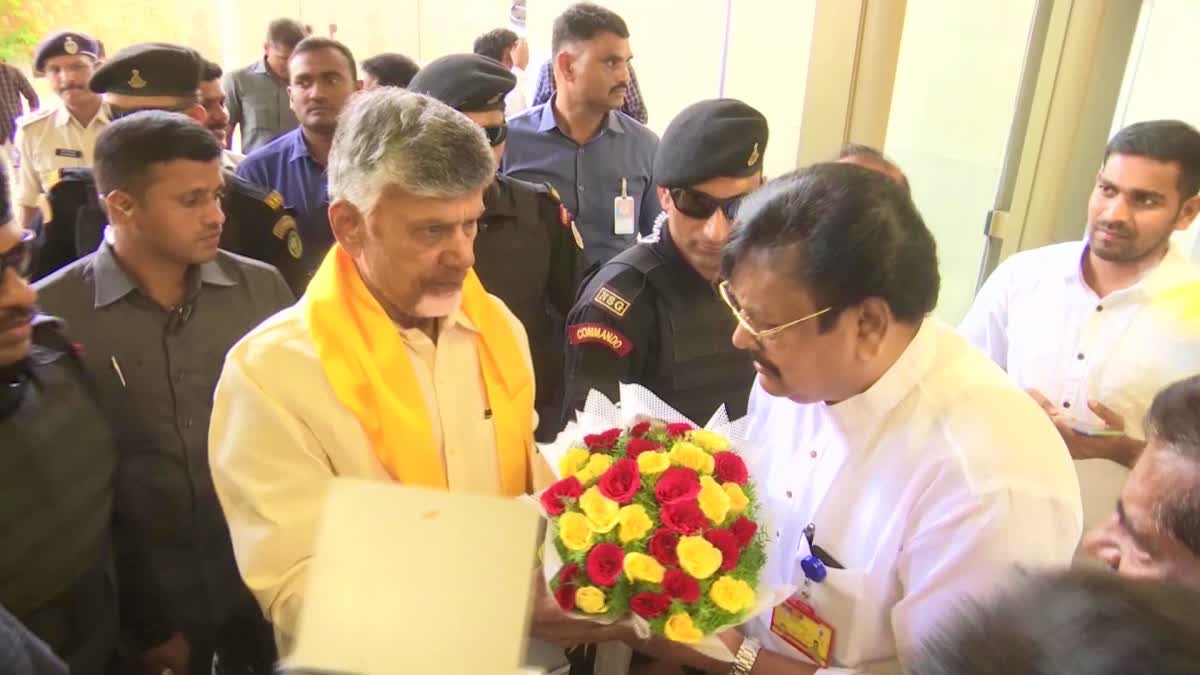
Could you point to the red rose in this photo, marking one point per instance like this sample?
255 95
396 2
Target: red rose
637 446
602 441
683 517
726 542
604 563
679 584
662 548
621 482
639 429
744 530
678 429
650 605
729 468
677 484
552 498
565 595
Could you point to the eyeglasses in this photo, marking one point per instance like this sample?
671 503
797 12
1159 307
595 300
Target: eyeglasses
19 258
116 112
496 134
738 314
696 204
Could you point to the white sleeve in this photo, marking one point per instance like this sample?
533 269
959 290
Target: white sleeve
986 323
270 474
29 184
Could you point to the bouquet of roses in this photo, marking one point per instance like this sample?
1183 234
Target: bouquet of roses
657 523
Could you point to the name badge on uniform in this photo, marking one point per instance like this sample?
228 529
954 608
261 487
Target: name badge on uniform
67 152
623 211
797 624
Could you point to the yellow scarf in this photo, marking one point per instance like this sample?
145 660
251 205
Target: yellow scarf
364 357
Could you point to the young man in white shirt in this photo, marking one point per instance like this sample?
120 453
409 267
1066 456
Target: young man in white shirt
903 470
1093 329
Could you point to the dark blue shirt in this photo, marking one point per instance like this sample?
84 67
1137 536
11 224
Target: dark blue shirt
285 166
588 177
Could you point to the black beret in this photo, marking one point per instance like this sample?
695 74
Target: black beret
150 69
717 137
64 43
465 82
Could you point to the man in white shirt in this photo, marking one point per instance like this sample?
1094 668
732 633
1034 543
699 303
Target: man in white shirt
1093 329
1155 531
410 373
903 470
512 51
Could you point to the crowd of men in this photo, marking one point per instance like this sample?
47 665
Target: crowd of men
407 274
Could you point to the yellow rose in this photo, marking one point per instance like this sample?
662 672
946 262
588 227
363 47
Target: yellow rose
574 531
601 511
598 464
709 440
697 557
689 455
738 501
708 465
635 523
653 462
641 567
714 501
590 600
732 595
679 627
572 462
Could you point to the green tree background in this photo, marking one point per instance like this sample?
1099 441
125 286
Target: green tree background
22 23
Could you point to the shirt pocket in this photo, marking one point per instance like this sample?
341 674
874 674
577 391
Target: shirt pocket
841 601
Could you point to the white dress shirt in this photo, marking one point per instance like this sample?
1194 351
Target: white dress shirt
515 101
926 488
1040 321
279 435
52 139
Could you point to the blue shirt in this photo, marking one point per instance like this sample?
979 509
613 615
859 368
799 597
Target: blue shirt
285 166
588 177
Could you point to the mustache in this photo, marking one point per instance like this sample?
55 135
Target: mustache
765 363
15 316
1120 228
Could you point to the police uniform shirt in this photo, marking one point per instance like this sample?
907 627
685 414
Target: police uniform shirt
53 139
1040 321
647 317
924 488
156 370
528 255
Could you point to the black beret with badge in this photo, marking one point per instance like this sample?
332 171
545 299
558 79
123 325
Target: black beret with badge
64 43
465 82
715 138
150 69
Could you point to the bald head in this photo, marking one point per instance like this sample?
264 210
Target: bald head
870 158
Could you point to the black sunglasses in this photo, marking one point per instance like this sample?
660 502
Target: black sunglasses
19 258
116 112
496 134
695 204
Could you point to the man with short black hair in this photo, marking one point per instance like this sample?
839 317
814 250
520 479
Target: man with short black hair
600 159
1155 531
258 101
1088 327
61 136
155 308
212 98
323 77
905 468
388 70
512 51
1070 623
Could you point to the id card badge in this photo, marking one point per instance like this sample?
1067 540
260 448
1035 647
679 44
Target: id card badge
623 218
795 622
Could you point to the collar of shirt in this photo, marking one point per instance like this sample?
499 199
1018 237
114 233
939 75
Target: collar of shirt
549 122
457 319
859 417
113 283
498 200
298 149
1172 271
63 117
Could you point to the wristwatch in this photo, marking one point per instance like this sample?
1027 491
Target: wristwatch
747 654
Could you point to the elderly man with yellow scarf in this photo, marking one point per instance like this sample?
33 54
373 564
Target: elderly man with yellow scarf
396 365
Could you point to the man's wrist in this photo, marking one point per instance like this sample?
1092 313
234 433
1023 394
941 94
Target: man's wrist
745 657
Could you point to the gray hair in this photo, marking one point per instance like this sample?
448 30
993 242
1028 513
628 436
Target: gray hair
393 137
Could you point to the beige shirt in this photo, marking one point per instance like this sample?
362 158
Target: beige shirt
279 435
52 139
